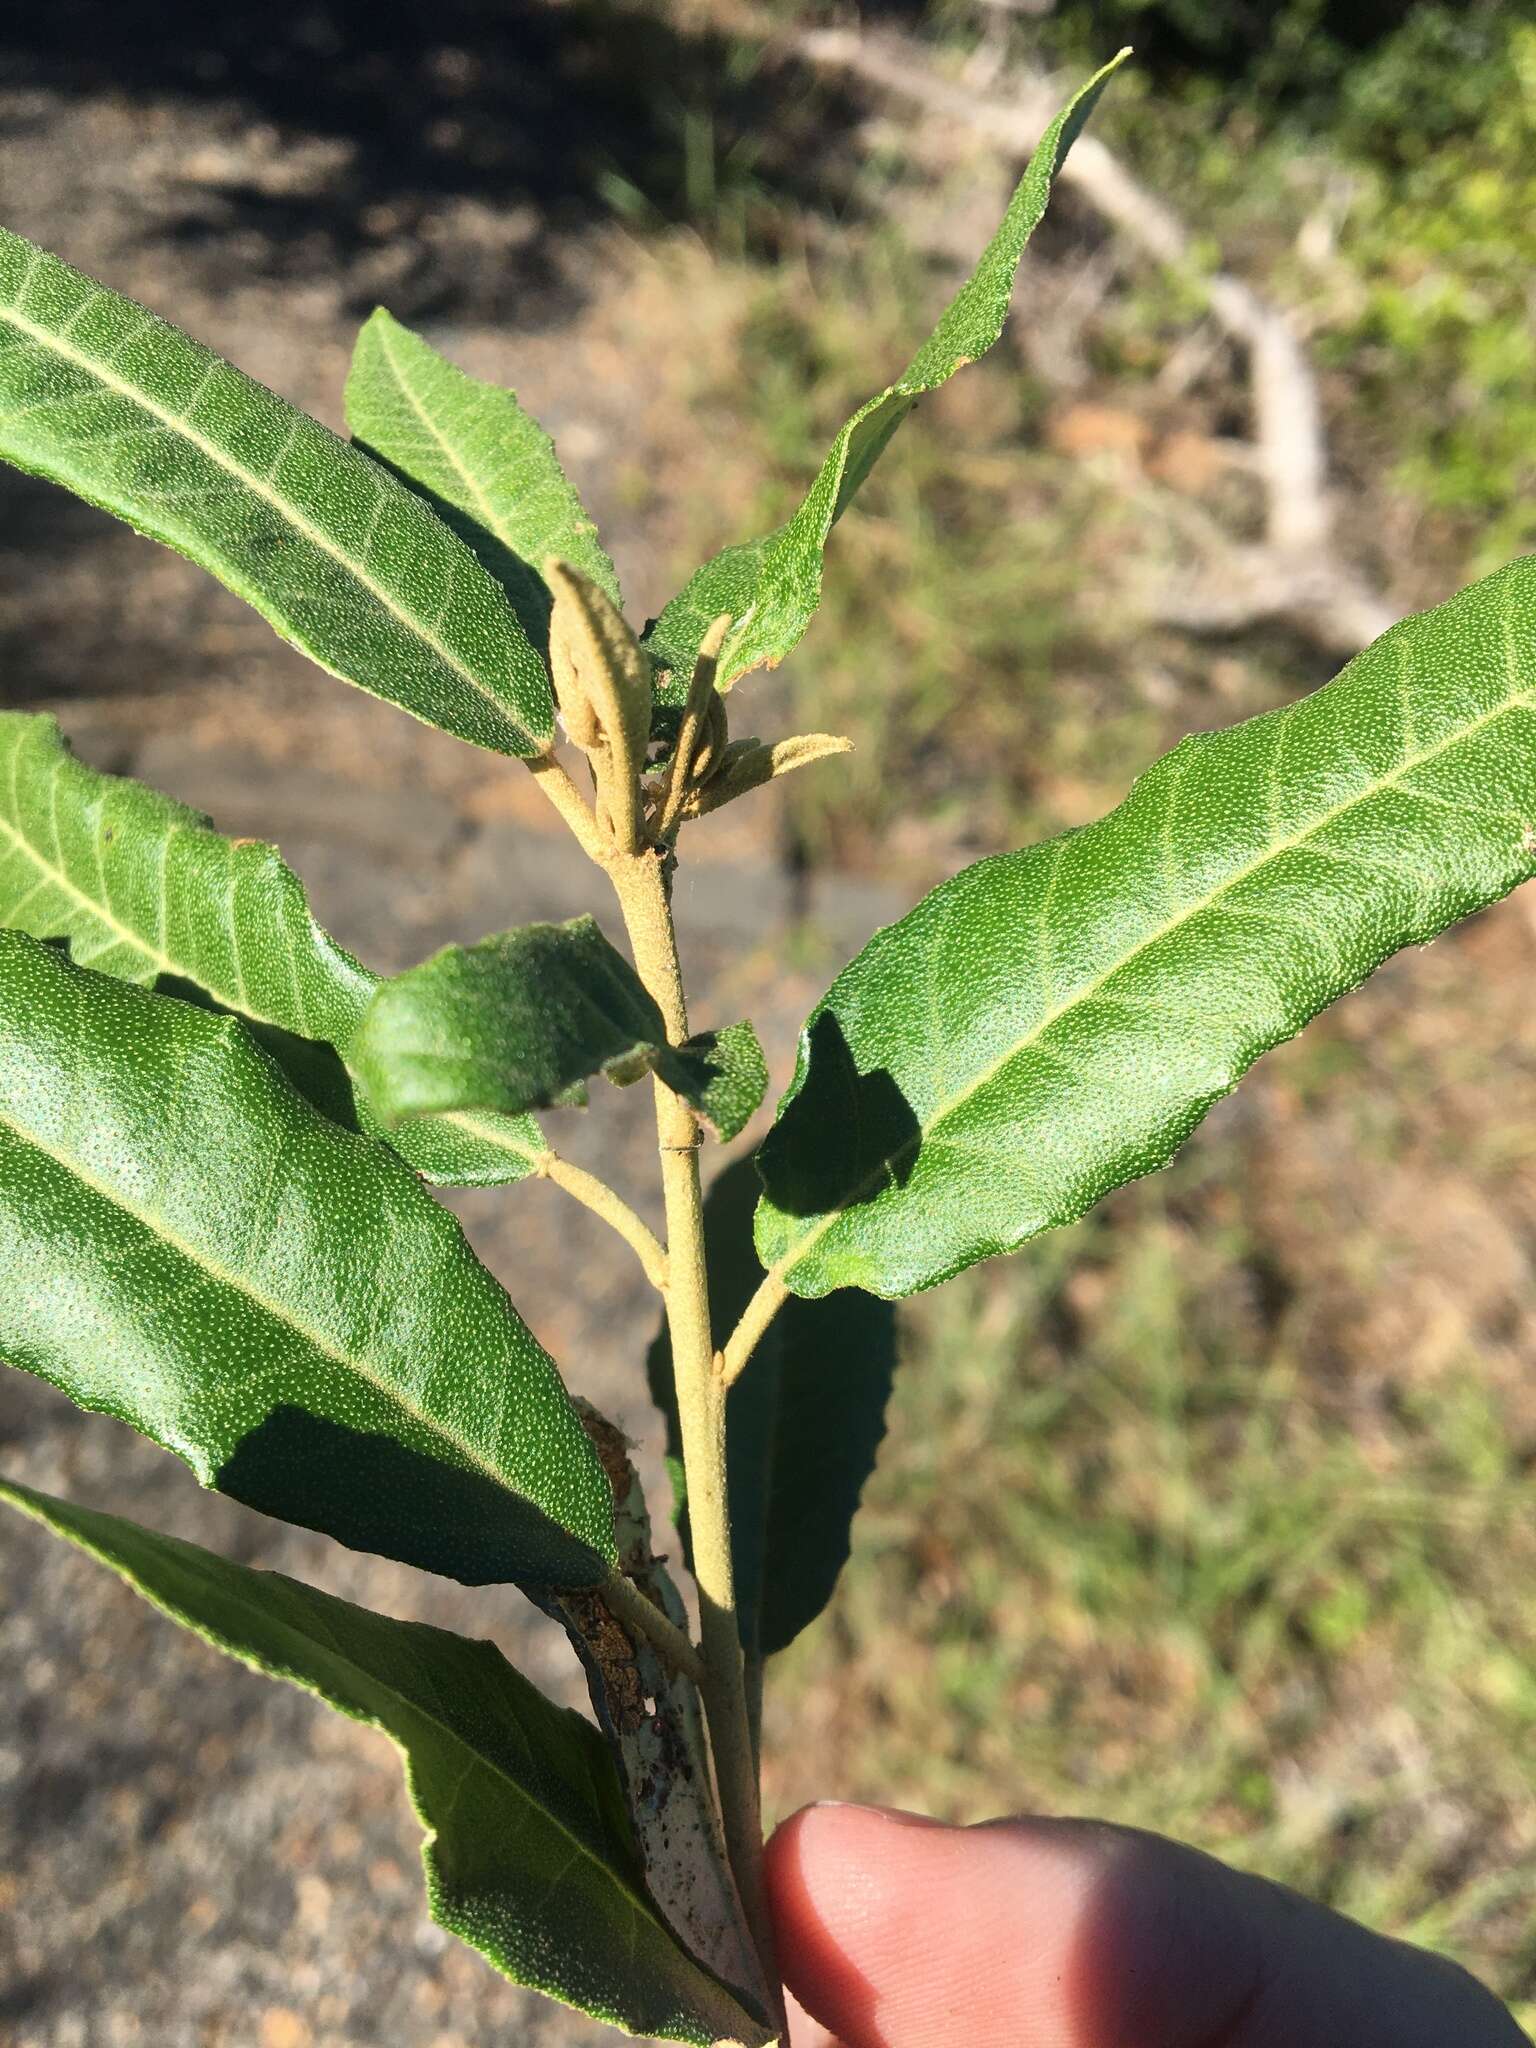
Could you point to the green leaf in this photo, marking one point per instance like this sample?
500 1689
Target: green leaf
144 890
1054 1022
187 1245
772 586
100 395
803 1425
522 1021
484 465
722 1073
527 1850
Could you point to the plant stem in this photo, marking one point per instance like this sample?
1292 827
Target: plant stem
641 887
759 1312
644 1616
554 779
596 1195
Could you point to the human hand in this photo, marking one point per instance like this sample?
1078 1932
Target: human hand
896 1932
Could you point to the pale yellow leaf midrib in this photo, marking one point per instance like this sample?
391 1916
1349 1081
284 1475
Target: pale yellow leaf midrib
492 518
56 877
488 1134
255 1662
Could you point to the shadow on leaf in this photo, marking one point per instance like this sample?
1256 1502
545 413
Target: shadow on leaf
310 1066
380 1495
527 592
844 1139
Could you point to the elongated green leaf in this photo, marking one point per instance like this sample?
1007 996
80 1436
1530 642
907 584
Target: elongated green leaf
102 396
143 889
187 1245
772 586
488 468
1051 1023
523 1020
528 1853
803 1424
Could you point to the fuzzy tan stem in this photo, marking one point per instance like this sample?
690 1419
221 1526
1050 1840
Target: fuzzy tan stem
554 779
689 732
602 1200
641 888
644 1616
759 1312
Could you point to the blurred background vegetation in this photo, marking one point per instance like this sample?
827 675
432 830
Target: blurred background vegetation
1216 1513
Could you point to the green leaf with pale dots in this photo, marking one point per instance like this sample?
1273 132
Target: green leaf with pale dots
187 1245
1051 1023
527 1850
141 887
104 397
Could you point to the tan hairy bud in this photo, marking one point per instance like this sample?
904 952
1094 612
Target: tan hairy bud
602 682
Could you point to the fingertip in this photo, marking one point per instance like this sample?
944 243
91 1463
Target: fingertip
828 1893
895 1930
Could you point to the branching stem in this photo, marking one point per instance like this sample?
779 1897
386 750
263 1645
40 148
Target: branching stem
647 1619
553 777
640 883
759 1312
596 1195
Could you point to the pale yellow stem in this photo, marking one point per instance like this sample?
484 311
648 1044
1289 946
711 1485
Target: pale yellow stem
596 1195
645 1617
641 887
759 1312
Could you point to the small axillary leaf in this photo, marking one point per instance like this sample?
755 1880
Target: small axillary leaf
602 680
748 764
703 735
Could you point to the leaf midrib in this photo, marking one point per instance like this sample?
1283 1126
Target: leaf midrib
460 1742
174 423
450 453
220 1275
59 879
1517 700
476 1129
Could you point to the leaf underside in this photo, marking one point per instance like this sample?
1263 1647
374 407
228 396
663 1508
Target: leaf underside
483 463
143 889
803 1425
186 1244
1052 1023
356 570
525 1018
771 586
528 1852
